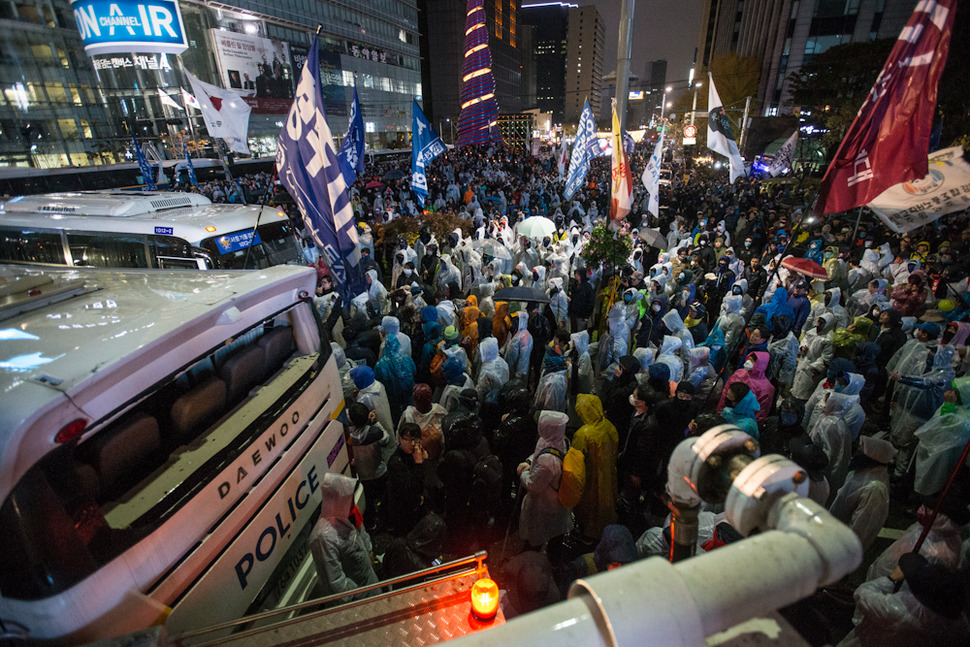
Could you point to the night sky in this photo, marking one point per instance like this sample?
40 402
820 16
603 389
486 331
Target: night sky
661 29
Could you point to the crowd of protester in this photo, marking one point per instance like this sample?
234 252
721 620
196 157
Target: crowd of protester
464 410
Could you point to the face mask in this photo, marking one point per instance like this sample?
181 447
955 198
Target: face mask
656 308
747 243
633 401
575 239
535 276
407 271
736 291
828 254
685 294
748 365
627 298
703 243
681 276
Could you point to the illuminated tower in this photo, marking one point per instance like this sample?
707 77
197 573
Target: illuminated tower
479 110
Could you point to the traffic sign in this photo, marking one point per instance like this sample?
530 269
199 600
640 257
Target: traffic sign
690 131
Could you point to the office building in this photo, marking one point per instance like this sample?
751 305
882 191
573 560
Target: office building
585 40
443 23
550 24
783 35
64 107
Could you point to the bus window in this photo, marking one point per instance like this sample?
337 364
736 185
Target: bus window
31 246
108 250
170 252
273 244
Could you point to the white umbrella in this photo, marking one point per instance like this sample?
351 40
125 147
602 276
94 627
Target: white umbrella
536 227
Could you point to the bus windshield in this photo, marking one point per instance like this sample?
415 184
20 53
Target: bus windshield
272 244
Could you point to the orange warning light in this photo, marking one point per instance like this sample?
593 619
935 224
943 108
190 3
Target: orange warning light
485 599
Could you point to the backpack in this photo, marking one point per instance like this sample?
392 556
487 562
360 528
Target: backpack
436 363
485 497
573 479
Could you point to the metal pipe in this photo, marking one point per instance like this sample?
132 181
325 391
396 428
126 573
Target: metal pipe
656 602
624 51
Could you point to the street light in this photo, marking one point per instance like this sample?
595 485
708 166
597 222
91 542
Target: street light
694 107
663 101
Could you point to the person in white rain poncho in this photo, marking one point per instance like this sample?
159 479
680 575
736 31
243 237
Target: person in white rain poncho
816 350
543 517
391 326
700 372
372 393
783 349
615 343
558 302
645 357
676 326
942 439
839 379
340 547
863 502
376 293
631 309
446 313
447 273
730 321
494 372
942 545
831 433
539 278
862 300
582 364
552 386
830 303
519 347
740 288
670 356
343 369
916 397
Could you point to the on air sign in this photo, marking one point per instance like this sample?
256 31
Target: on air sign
124 26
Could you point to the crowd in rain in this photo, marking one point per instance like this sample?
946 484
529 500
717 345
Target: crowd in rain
832 341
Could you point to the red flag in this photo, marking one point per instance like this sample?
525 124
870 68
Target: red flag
889 140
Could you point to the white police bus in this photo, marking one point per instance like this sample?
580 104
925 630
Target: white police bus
163 438
115 228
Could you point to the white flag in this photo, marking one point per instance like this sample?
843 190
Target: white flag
784 156
720 137
189 100
561 158
622 199
651 177
225 114
167 100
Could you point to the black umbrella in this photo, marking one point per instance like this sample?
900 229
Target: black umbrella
653 238
394 174
529 295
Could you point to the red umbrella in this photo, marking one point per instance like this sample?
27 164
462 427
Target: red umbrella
805 266
374 184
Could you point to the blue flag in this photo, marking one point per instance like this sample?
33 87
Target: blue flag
188 162
351 153
147 172
307 164
425 146
579 162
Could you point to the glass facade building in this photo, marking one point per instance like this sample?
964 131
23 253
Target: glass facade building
61 107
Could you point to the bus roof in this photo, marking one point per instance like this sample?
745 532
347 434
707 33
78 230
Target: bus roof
190 216
82 353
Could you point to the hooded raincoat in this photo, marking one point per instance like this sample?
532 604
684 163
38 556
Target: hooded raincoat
372 393
744 414
670 356
731 323
543 517
831 433
519 348
583 369
494 372
941 441
598 441
700 373
917 396
755 378
340 549
817 355
396 372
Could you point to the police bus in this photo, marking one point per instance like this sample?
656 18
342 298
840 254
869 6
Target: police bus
149 229
163 439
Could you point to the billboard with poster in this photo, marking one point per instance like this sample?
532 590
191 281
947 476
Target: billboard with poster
259 69
331 78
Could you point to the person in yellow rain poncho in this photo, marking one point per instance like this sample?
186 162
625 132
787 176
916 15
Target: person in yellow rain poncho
598 441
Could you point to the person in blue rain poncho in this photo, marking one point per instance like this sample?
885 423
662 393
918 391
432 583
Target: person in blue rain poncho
718 355
396 371
942 439
740 408
778 305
